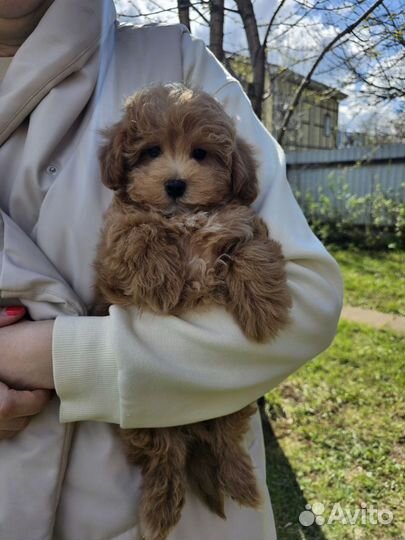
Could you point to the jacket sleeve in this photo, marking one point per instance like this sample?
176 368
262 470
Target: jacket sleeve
152 371
27 276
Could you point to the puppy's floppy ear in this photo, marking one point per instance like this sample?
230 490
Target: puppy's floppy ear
244 178
112 156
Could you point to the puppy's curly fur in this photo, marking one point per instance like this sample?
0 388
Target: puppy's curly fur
180 235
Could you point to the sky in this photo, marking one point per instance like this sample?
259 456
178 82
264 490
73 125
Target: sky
295 43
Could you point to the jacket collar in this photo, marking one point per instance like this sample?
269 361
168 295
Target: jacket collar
66 37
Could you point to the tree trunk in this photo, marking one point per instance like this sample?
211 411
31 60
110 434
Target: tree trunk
184 12
256 52
217 28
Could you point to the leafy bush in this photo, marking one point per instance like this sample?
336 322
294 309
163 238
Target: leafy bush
338 216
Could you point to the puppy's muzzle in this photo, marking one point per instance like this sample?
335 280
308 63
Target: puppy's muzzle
175 188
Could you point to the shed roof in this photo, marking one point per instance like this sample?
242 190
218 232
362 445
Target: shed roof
296 78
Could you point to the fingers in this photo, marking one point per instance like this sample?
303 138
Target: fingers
11 315
17 409
4 435
18 403
14 425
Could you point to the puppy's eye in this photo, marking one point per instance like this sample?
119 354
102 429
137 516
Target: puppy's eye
153 151
199 154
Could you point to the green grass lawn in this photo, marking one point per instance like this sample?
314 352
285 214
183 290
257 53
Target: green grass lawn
339 426
374 280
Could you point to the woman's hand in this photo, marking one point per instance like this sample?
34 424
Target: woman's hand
26 354
17 407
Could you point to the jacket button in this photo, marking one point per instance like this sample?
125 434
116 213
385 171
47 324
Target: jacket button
52 170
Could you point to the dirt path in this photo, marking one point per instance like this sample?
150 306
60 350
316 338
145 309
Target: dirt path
374 318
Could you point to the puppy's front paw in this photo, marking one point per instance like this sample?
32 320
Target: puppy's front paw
161 274
156 269
257 286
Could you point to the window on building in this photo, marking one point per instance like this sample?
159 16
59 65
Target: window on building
327 125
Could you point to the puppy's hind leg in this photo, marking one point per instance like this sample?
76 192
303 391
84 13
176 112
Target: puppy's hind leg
164 488
235 474
258 294
202 474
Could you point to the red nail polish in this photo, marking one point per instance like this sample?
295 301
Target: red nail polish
13 311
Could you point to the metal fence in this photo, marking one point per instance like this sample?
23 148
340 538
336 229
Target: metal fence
360 171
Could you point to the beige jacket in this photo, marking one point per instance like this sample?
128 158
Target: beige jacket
65 477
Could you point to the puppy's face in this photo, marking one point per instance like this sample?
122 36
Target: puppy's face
176 149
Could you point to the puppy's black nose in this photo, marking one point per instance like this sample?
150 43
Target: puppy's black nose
175 188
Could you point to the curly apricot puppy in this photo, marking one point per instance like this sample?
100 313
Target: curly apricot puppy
180 235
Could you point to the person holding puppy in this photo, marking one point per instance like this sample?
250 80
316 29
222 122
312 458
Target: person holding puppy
69 69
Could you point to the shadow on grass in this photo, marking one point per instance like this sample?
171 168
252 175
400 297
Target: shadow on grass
287 498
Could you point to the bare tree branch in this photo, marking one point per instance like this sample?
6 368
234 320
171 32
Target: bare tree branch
200 13
306 80
270 25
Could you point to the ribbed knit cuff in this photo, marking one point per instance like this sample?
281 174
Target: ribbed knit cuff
85 371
